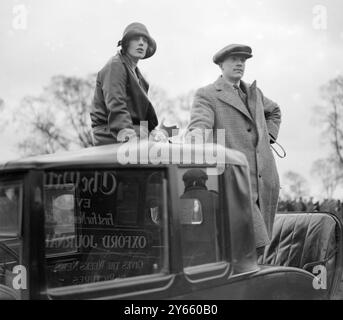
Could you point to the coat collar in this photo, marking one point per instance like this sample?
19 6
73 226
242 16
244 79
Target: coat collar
143 86
130 63
229 96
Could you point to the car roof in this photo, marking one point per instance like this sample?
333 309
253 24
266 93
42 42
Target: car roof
127 154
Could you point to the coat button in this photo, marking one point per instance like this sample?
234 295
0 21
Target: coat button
249 129
259 176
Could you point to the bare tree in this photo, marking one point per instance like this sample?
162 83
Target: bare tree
59 118
161 102
183 104
329 172
297 185
4 115
330 112
171 110
2 107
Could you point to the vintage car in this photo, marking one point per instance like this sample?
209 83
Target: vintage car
153 221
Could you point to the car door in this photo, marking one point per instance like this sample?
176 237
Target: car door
107 233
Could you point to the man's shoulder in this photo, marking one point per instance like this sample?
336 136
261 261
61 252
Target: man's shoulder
259 91
253 87
206 90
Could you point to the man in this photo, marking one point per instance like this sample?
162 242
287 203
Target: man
251 122
120 99
310 205
199 234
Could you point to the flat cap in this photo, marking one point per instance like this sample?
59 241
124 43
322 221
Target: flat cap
194 175
230 50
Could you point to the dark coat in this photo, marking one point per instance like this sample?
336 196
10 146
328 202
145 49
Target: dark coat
218 106
119 102
200 243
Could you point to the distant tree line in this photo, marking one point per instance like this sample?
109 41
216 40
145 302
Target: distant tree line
329 116
58 119
301 204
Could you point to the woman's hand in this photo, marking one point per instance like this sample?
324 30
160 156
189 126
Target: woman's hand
159 136
126 134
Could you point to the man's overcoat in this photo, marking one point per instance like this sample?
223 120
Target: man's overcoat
249 130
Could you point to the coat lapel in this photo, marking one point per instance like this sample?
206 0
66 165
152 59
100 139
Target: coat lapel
143 82
252 102
227 94
251 97
143 106
134 82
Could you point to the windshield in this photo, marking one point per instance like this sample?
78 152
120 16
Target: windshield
10 208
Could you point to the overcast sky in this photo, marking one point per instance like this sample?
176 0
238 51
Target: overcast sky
297 47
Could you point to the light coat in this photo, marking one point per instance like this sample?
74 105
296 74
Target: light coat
218 106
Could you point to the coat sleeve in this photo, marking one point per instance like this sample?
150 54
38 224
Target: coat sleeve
272 115
202 114
115 96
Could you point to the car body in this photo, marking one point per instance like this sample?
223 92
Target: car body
98 224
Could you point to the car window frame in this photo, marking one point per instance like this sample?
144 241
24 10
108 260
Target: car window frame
15 180
126 286
19 177
76 232
205 273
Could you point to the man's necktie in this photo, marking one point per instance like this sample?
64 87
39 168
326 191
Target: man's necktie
241 94
243 97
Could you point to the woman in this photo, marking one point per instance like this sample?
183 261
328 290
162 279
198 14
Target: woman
120 99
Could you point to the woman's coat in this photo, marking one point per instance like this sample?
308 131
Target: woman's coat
120 101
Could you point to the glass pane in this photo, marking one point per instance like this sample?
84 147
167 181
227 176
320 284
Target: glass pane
10 243
105 225
10 208
60 219
191 211
200 216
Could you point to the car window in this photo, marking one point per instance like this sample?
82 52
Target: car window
200 216
11 198
10 208
60 226
105 225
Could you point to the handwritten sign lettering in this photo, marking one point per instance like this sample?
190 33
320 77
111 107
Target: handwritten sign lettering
121 241
95 219
118 239
92 266
84 203
76 272
103 182
117 269
94 278
69 242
